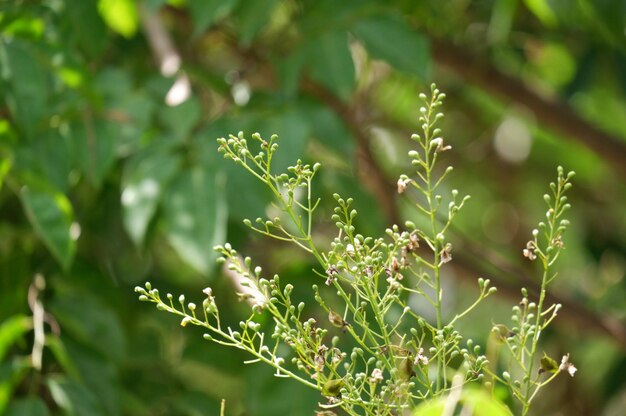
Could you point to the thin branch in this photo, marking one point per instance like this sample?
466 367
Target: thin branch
554 114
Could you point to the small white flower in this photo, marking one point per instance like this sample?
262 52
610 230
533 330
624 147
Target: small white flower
420 358
529 251
402 184
247 289
567 366
377 376
439 146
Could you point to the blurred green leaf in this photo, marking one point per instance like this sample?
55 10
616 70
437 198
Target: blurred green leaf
120 15
501 20
60 354
96 143
289 70
144 179
137 110
473 403
98 375
11 330
52 216
88 321
182 118
194 216
328 128
85 26
113 83
5 167
389 38
205 13
55 157
30 406
542 10
329 62
27 91
73 398
11 375
253 16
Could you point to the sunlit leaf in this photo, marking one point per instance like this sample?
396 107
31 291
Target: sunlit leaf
472 403
542 10
392 40
142 187
195 214
5 167
52 216
12 329
120 15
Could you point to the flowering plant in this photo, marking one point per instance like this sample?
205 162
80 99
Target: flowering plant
385 358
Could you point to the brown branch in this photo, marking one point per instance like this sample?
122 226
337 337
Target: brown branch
554 114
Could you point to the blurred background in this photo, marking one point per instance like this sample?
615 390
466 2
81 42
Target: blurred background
109 111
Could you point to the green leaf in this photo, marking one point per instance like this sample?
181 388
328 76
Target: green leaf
11 375
329 62
120 15
84 26
55 156
142 186
205 13
52 216
96 143
11 330
60 354
27 92
253 16
31 406
289 70
195 216
74 398
87 320
394 41
5 167
329 129
182 118
472 402
98 375
542 10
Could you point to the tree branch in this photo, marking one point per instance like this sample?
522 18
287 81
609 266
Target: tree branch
556 115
